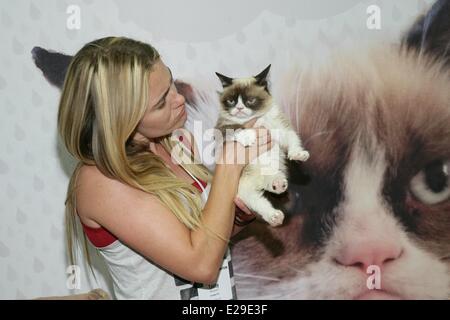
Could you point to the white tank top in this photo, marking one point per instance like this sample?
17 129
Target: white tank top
135 277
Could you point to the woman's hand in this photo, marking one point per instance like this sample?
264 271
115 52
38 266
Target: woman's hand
236 154
241 205
243 216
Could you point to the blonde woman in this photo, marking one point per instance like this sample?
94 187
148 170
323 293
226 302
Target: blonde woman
162 227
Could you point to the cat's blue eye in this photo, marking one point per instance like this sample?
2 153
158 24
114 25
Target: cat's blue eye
231 102
251 100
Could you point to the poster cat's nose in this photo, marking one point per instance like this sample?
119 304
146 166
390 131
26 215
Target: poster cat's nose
368 252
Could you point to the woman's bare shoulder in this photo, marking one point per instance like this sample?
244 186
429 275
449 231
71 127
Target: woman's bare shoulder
96 193
89 176
92 179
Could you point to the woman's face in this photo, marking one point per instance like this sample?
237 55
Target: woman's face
166 110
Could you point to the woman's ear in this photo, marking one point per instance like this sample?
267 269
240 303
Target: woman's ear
430 34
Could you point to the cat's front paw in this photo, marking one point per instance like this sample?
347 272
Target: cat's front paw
298 155
246 137
276 218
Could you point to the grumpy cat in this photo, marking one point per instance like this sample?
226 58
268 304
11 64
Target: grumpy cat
242 100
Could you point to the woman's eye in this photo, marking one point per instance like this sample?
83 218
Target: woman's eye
432 184
251 100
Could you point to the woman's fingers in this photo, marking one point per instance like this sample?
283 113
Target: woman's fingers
240 204
256 150
236 153
263 135
263 144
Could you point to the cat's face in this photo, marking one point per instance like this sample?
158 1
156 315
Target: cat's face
245 98
370 209
374 194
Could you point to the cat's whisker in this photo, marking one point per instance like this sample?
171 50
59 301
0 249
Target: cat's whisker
293 268
297 98
410 284
447 47
256 277
318 134
245 283
266 297
298 271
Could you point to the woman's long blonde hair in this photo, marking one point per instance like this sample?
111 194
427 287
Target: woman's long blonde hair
105 95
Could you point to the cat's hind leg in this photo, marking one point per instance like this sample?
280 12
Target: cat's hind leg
252 195
277 183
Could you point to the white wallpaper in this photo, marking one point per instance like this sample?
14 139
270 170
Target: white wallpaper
195 38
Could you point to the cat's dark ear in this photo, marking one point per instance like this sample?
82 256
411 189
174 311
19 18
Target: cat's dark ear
52 64
261 78
226 81
431 33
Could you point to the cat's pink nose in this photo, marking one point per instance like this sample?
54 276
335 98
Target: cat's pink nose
366 252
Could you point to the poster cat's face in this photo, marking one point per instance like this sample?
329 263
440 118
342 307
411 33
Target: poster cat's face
375 194
373 216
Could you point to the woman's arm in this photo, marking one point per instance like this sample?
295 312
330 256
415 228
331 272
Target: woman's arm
218 217
143 223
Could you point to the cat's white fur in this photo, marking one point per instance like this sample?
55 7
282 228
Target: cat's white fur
414 274
268 171
254 177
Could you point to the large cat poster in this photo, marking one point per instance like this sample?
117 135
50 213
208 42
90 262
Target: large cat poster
365 85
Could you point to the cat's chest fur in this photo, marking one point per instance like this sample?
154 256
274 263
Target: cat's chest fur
272 120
